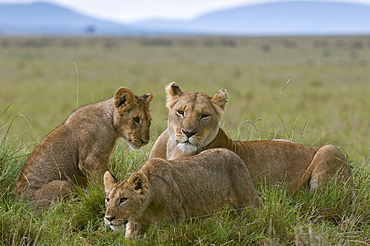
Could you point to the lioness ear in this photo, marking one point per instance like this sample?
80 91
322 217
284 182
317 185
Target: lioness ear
147 98
123 98
139 182
109 181
220 98
173 92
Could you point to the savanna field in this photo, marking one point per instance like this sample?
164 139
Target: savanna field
310 90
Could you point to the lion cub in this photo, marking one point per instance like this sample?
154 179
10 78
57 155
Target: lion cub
81 146
183 188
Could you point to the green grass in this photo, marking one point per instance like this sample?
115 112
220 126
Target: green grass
312 90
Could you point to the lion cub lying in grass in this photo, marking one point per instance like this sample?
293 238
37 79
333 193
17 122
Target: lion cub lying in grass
81 146
183 188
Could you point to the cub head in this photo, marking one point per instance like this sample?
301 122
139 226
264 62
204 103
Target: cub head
124 199
132 118
193 120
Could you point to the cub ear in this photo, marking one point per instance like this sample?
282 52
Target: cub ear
173 93
147 98
220 98
139 182
123 98
109 181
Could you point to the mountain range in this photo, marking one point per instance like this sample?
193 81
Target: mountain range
279 18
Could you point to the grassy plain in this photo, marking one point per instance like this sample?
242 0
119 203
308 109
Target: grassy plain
312 90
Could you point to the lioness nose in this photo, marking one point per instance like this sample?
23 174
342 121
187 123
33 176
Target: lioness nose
110 218
189 134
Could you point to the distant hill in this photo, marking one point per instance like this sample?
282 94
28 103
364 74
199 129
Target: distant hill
49 19
280 18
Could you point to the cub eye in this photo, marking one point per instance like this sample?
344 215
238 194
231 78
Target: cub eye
136 119
122 200
107 200
180 112
204 116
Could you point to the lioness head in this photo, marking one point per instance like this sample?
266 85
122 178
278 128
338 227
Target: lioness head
194 117
124 199
132 118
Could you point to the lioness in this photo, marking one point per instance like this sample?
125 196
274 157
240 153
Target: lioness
183 188
80 148
193 126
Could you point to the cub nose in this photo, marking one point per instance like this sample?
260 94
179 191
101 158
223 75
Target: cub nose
110 218
144 142
188 134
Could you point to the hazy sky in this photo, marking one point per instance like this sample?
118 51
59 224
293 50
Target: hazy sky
135 10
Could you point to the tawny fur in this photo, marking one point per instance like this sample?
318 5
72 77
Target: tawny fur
190 187
79 149
193 126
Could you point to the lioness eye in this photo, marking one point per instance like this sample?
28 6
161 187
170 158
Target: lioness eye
122 200
136 119
180 112
107 200
204 116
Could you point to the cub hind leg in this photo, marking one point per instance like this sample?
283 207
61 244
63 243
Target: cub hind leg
243 194
327 162
56 190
